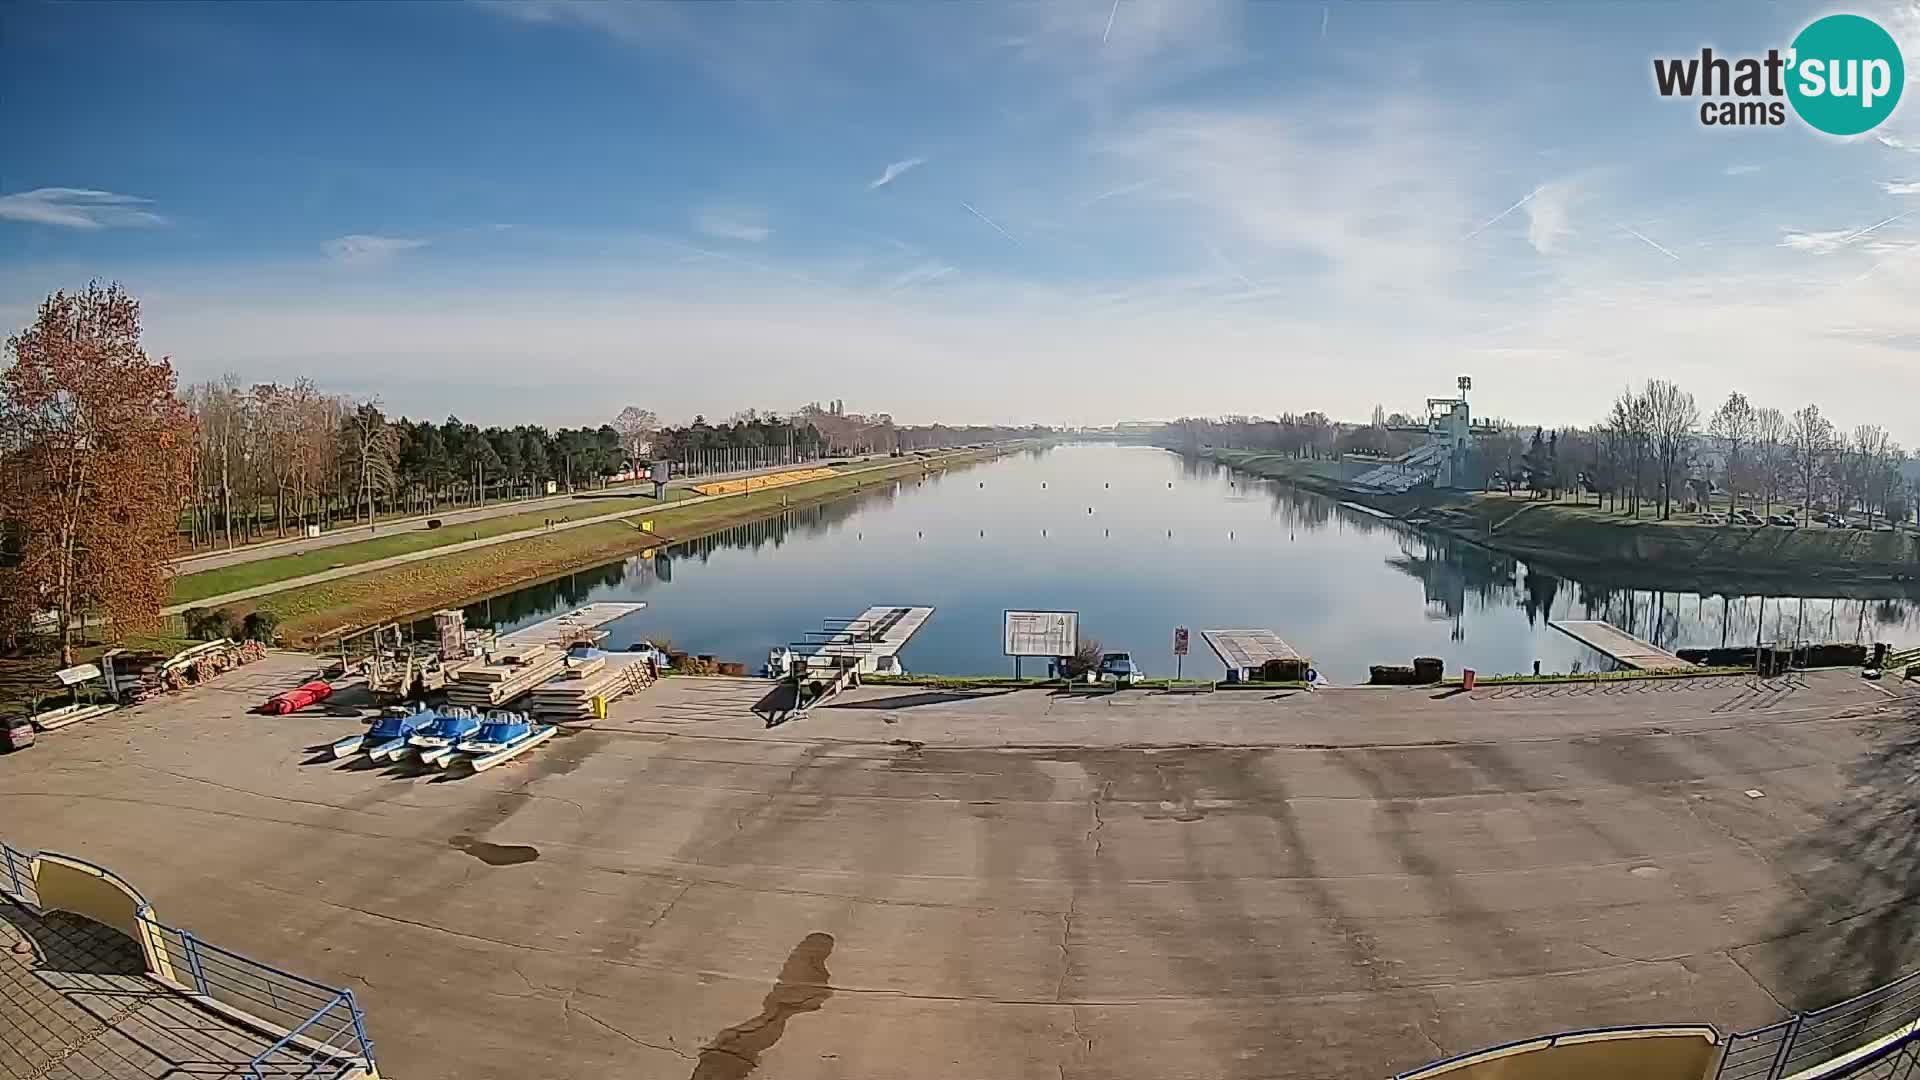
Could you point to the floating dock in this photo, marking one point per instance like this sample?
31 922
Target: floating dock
565 630
869 643
1612 641
1247 652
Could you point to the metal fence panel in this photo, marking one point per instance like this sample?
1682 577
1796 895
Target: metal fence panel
1808 1039
16 876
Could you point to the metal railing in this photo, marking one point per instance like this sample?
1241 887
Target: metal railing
325 1032
16 875
1804 1040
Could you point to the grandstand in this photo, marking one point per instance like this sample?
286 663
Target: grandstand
1418 467
1440 462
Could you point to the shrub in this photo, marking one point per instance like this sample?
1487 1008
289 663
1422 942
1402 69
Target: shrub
258 626
204 625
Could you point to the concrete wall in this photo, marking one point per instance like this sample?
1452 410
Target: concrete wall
68 884
1671 1053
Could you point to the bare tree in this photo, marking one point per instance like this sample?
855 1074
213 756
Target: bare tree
1810 439
1769 458
369 451
1672 422
1733 424
636 427
1872 448
1631 422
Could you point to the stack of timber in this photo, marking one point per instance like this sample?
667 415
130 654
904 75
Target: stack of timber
590 674
493 681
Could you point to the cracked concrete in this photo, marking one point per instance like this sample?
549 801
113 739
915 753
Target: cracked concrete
1339 884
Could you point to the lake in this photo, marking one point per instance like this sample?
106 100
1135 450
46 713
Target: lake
1139 541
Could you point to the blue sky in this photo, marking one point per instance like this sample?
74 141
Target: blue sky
1058 213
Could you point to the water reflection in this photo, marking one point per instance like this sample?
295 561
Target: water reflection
1141 541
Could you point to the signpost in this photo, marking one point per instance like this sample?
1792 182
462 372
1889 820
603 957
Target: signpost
1179 650
1040 633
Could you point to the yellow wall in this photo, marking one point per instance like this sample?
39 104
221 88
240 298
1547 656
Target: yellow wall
66 884
1671 1053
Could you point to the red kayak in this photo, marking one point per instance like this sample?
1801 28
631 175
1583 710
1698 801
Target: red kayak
298 698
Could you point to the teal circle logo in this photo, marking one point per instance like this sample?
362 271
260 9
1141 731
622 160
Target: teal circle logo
1845 74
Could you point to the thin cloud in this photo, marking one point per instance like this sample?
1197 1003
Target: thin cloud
78 208
1108 32
1816 243
731 225
1547 216
894 171
1826 243
990 222
919 275
1743 170
364 249
1900 187
1894 143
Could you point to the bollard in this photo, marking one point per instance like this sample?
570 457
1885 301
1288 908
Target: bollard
1466 678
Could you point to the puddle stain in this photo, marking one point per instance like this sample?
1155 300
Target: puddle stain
494 854
801 987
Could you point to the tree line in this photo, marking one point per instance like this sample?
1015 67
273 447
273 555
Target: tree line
269 457
1654 450
1651 452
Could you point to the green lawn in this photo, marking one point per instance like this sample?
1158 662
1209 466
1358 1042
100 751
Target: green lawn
190 587
27 676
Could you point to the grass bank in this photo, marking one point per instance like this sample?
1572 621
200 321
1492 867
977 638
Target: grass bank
190 587
317 611
27 675
1584 541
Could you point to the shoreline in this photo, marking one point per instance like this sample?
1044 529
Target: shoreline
314 613
1576 542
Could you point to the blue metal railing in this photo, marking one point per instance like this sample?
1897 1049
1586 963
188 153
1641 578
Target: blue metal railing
326 1033
1805 1040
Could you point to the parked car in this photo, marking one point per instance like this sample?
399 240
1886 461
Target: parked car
1834 521
1784 521
1825 518
1746 517
1118 667
1713 519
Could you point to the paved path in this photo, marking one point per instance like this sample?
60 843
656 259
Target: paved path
339 572
351 534
949 886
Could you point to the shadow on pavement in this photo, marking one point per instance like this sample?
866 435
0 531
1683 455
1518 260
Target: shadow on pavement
908 701
1857 926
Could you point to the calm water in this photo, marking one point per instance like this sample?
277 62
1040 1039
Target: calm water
1139 541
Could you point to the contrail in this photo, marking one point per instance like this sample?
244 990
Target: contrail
1850 237
1643 239
990 222
1487 224
1326 12
1110 15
